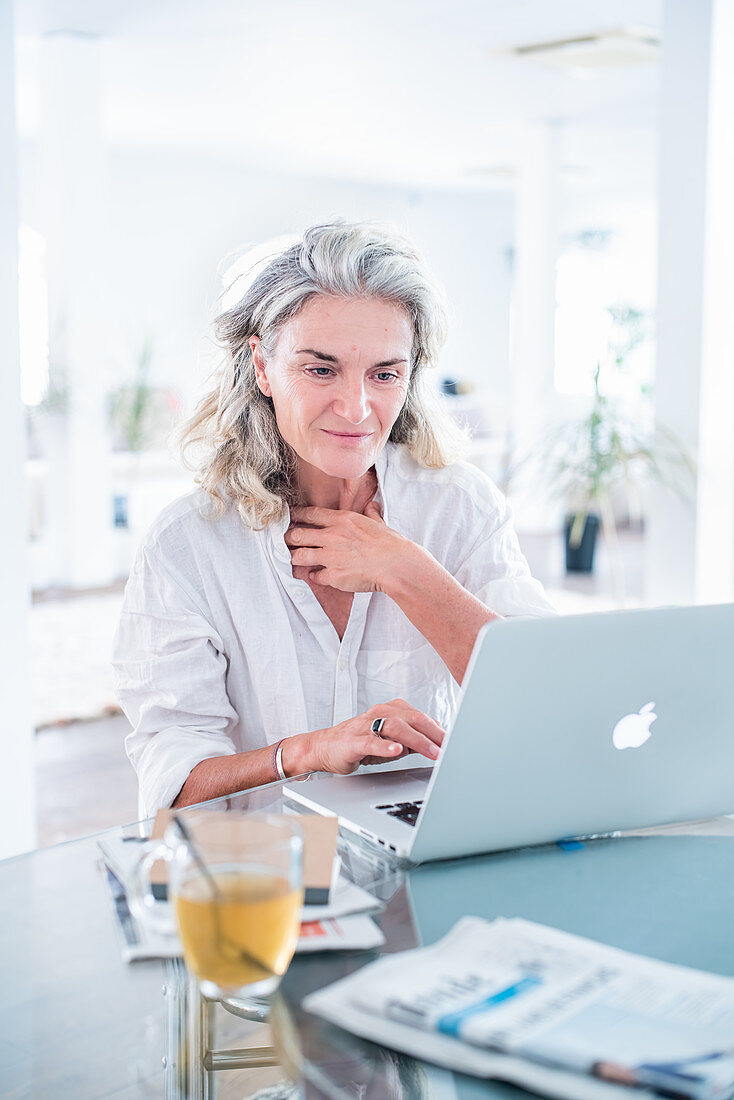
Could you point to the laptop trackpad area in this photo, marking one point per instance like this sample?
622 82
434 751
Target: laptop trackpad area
378 787
357 797
410 783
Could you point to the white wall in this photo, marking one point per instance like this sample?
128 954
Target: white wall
17 788
173 220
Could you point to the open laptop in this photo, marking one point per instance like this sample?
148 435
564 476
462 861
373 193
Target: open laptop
567 726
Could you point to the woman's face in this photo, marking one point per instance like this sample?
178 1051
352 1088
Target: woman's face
338 379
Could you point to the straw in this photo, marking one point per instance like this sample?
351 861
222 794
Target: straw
201 864
196 854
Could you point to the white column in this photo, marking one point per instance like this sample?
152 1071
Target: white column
690 549
78 505
715 505
537 234
17 785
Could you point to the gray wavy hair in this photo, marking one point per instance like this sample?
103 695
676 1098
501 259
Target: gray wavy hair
242 459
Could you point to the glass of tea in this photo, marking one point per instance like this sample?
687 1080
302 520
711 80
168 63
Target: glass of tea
234 888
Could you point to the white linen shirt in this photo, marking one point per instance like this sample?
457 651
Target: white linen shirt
220 650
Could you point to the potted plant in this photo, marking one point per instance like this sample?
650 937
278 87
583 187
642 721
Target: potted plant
140 417
141 414
613 448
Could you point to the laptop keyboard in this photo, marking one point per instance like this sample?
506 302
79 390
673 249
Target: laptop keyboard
404 811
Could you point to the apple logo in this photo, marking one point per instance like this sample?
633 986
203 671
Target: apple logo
634 729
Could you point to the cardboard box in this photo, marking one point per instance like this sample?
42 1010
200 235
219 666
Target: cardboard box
320 865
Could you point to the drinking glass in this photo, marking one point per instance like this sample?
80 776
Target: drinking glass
235 890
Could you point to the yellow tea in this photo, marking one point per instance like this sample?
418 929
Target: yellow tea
246 935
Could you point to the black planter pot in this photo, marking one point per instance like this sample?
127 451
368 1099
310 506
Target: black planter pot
580 559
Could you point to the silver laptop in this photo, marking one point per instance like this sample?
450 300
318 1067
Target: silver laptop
567 726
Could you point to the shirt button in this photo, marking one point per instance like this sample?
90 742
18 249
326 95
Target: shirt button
299 594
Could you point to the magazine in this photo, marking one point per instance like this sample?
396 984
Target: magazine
536 995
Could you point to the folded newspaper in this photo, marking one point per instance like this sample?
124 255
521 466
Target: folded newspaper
557 1013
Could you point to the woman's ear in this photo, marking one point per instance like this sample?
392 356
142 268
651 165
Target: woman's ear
258 359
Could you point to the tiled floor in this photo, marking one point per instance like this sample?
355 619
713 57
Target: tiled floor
84 779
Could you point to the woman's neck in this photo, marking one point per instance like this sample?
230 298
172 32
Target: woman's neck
319 490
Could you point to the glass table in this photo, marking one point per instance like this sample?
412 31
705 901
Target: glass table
77 1023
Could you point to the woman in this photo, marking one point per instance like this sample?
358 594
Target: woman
313 606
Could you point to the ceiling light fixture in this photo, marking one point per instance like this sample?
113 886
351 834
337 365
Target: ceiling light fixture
588 54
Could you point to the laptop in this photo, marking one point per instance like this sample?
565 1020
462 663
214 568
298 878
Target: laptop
566 727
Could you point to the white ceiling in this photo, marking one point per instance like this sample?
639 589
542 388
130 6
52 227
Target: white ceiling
414 92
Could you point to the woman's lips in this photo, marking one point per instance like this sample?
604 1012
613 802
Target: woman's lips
356 436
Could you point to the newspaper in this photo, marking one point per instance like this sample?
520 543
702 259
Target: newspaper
537 995
343 925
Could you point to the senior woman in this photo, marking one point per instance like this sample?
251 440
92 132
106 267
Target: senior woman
314 604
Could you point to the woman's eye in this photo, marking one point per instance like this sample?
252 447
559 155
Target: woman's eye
386 376
320 372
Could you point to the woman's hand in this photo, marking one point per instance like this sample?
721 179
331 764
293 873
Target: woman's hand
360 553
346 550
342 748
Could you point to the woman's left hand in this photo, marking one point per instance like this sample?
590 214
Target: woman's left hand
347 550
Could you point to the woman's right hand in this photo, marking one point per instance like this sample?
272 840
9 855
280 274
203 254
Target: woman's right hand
343 748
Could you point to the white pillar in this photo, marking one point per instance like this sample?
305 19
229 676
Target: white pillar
17 785
78 504
537 235
690 549
715 505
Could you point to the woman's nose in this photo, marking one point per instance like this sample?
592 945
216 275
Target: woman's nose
351 403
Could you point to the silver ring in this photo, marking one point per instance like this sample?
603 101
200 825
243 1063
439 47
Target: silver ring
377 725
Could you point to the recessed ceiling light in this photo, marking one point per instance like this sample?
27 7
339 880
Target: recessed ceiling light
496 171
569 172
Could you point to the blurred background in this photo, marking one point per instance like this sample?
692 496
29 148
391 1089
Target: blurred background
567 170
